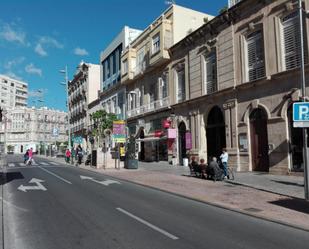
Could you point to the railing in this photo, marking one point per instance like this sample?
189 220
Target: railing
155 105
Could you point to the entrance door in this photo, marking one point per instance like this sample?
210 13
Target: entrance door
182 142
296 143
259 140
215 132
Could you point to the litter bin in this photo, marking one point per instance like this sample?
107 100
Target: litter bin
185 162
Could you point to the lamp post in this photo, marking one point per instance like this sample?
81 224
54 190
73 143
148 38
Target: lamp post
303 90
66 84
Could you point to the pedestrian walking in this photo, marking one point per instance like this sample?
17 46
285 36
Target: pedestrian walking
26 156
67 156
30 156
79 153
224 159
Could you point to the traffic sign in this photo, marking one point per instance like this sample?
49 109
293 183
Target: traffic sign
55 132
301 114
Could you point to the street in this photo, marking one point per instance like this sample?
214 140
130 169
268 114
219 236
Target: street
51 205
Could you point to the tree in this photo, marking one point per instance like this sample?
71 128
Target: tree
102 121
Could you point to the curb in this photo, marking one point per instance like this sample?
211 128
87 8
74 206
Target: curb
206 202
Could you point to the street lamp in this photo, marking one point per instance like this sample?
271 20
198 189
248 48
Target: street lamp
66 84
303 90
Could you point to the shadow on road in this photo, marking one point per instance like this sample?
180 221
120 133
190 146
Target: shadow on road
289 183
294 204
10 176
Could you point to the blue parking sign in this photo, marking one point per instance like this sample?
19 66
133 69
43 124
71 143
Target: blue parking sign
301 112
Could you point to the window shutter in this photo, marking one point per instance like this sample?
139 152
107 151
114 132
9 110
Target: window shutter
291 40
211 73
255 49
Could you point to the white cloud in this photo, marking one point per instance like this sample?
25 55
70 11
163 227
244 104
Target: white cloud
31 69
12 63
37 93
80 51
8 33
46 42
40 50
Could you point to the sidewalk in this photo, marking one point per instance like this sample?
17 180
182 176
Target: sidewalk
285 209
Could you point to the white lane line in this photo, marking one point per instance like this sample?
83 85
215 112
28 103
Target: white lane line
59 177
171 236
22 164
11 165
42 163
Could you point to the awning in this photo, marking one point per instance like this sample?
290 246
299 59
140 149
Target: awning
150 139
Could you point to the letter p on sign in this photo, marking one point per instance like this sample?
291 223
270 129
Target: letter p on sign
303 112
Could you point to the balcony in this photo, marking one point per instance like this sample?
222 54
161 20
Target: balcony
153 106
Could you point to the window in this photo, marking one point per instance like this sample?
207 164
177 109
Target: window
114 61
164 85
125 67
210 72
255 56
156 43
181 85
291 41
140 64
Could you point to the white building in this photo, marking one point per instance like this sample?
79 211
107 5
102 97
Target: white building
24 127
13 93
83 89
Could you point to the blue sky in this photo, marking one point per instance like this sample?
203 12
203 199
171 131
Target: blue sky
40 37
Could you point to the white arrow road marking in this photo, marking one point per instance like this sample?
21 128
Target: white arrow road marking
45 164
59 177
22 164
171 236
105 183
39 185
11 165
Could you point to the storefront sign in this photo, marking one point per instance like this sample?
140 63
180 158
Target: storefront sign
188 141
171 133
243 142
119 131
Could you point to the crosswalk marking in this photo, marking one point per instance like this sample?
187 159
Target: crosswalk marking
20 164
54 163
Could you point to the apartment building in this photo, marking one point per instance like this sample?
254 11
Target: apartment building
25 127
234 82
13 93
112 92
82 90
145 73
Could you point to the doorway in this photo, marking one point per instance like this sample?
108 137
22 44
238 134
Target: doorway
259 140
296 143
182 142
215 133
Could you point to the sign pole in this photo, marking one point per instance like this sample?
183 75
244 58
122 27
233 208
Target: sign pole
303 87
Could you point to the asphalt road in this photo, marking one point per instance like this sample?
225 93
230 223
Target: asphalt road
50 206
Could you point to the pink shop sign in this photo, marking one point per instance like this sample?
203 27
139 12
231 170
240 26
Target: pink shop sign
188 141
171 133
